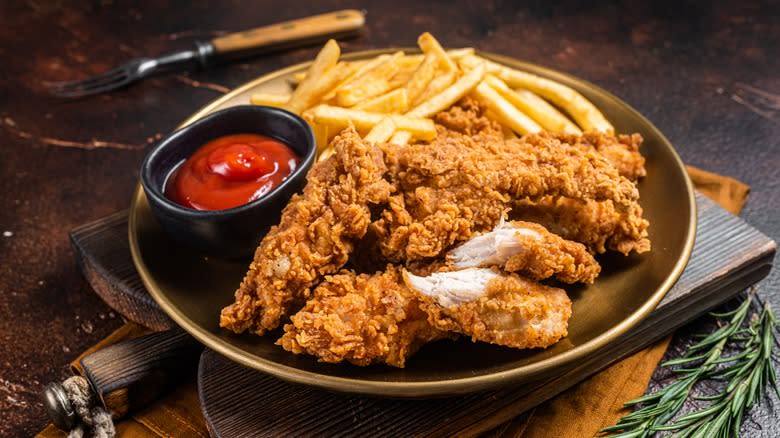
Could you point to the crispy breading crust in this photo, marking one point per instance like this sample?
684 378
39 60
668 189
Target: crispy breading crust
315 236
568 261
362 319
622 151
597 225
513 311
543 255
459 184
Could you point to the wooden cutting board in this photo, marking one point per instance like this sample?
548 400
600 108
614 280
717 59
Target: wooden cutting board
728 256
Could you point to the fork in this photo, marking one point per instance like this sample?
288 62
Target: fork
220 50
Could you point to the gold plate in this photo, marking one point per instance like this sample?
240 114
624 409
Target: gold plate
193 289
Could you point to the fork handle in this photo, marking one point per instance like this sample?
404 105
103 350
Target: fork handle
288 34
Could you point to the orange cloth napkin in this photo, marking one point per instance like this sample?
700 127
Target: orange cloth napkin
578 412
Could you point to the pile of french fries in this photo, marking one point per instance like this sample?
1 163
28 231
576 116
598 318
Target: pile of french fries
392 98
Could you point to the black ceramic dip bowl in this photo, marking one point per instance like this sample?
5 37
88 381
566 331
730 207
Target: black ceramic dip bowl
233 232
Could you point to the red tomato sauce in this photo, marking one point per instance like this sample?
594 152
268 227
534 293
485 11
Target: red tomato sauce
231 171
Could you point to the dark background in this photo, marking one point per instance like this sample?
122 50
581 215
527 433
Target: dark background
706 73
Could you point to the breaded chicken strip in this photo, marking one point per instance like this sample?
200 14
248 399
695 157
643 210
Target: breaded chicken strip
597 225
315 236
503 309
460 184
622 151
528 249
362 319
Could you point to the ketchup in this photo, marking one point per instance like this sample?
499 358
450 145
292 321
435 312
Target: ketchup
231 171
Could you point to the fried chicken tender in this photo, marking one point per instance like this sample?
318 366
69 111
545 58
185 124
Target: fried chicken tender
362 319
528 249
315 236
460 184
498 308
597 225
622 151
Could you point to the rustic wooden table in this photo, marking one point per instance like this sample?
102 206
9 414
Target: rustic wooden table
706 73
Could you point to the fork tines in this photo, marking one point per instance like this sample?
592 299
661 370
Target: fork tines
109 80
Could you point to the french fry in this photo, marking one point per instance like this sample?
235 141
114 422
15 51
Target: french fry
303 95
326 153
340 118
454 54
395 101
268 99
436 86
534 107
361 68
451 94
327 82
546 114
300 76
400 79
401 138
430 46
410 62
421 77
321 133
374 82
579 108
506 113
381 132
407 67
506 130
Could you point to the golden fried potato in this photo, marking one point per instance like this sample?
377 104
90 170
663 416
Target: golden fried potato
340 118
372 83
312 87
450 95
395 101
507 114
534 107
430 46
579 108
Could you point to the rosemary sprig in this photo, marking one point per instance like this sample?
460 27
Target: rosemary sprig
748 373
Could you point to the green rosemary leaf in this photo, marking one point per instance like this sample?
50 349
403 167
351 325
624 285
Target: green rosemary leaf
724 315
691 418
739 396
700 432
748 373
683 360
719 422
708 397
755 383
733 358
643 399
634 434
641 425
712 339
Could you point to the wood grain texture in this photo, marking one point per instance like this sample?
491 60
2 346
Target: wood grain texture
705 73
128 375
289 34
238 401
103 254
